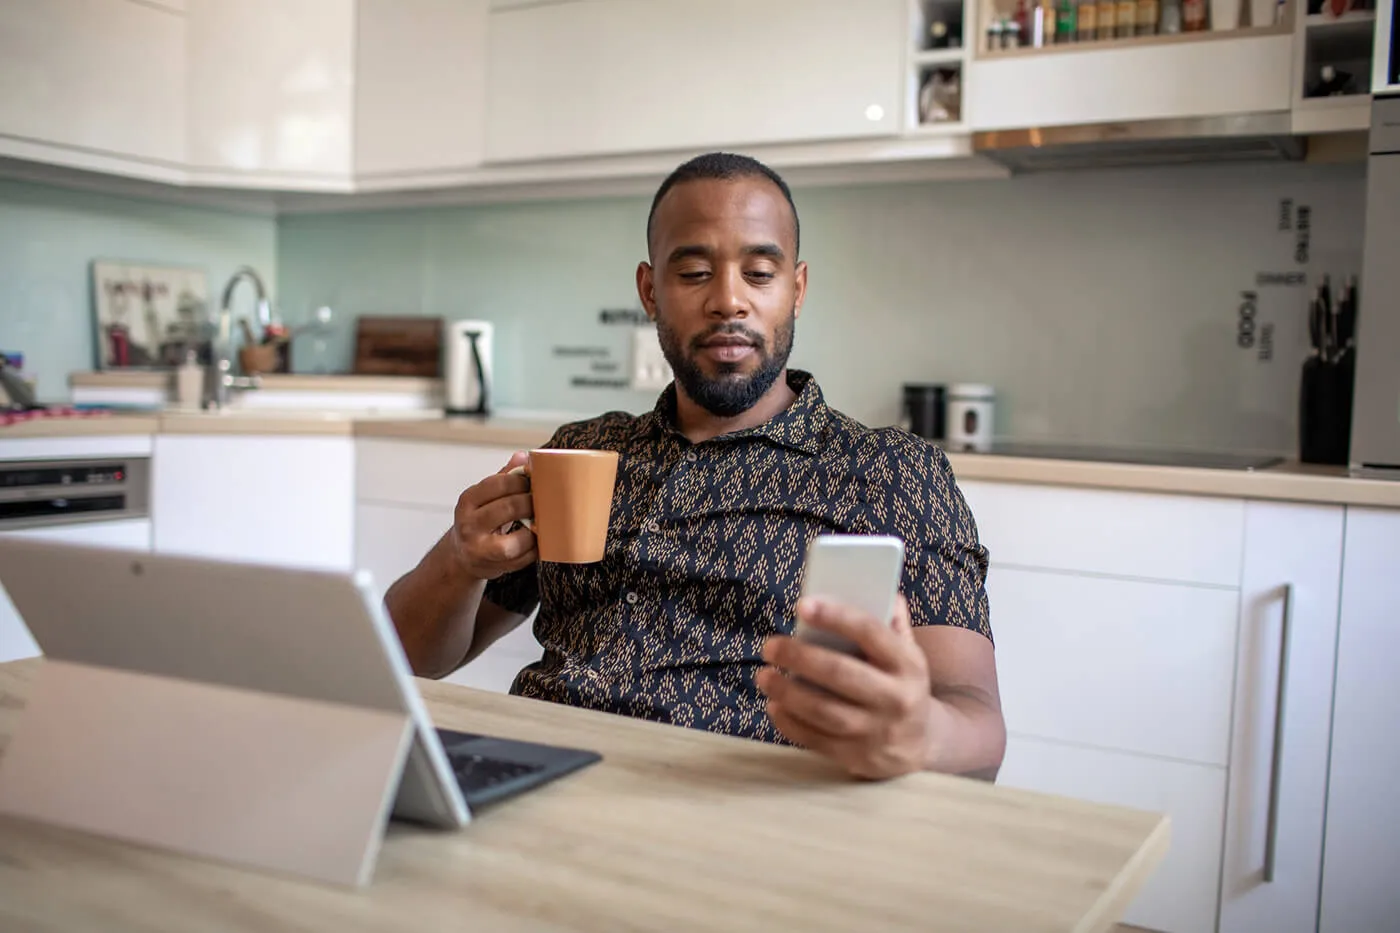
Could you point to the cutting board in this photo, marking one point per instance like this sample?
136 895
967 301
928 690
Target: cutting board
398 346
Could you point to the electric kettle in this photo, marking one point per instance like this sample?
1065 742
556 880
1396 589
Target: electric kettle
467 368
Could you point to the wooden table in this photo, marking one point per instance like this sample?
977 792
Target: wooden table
675 830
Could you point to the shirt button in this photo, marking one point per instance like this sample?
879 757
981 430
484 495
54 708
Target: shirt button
691 456
653 526
631 598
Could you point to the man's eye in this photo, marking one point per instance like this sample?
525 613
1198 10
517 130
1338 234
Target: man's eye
761 276
694 275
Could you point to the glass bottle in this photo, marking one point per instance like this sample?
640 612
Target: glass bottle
1088 18
1108 18
1171 17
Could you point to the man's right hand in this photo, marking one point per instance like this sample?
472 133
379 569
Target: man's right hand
483 550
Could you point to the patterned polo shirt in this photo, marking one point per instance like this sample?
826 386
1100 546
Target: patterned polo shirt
704 557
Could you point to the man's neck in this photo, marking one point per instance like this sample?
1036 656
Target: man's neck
699 425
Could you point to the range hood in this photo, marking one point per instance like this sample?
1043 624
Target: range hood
1236 138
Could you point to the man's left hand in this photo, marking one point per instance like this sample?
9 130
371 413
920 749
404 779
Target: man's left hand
875 718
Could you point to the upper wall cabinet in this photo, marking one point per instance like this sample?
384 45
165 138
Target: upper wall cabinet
93 84
271 89
420 86
598 77
306 94
1199 74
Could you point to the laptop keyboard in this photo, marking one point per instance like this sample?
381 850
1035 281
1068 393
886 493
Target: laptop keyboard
507 767
478 773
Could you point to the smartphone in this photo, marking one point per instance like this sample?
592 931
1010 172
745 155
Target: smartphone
861 571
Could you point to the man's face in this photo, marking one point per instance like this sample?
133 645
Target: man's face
724 288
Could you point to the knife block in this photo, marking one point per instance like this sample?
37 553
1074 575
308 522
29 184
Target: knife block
1324 410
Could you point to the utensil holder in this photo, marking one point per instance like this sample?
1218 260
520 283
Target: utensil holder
1324 410
262 358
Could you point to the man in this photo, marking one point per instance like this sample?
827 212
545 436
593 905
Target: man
719 490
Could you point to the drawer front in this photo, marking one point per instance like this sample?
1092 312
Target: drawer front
1119 664
1189 539
1181 896
391 540
422 474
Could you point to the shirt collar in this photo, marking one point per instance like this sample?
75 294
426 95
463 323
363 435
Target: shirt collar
801 426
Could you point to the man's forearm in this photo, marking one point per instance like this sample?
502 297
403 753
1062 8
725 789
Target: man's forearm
967 733
434 608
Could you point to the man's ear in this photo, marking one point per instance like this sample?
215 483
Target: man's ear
646 288
800 294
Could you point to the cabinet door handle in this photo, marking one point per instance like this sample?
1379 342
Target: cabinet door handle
1275 766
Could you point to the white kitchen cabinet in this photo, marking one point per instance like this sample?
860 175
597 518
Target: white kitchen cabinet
422 473
271 90
1273 834
1152 536
420 86
406 492
1115 616
391 540
1101 662
1208 78
1118 690
132 534
93 84
624 76
1181 895
306 94
264 499
1362 851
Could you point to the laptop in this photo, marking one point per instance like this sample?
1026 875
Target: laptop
311 634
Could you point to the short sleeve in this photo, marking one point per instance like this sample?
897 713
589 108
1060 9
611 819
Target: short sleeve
945 565
517 591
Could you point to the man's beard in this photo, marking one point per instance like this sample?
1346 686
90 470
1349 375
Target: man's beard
731 392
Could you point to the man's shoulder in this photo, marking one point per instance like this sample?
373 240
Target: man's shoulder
891 446
604 432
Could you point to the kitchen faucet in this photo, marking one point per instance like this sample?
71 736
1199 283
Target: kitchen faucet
219 380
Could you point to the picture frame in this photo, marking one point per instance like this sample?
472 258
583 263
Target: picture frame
145 316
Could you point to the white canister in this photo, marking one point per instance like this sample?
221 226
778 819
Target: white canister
1225 14
970 411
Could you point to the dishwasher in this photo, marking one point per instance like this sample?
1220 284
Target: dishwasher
98 501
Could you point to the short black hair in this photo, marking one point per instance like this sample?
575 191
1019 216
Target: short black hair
725 166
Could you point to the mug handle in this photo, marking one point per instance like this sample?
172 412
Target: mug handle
525 522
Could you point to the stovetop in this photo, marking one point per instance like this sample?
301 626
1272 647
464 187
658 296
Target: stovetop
1210 460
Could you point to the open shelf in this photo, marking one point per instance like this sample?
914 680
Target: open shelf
1342 42
938 129
1134 42
954 75
938 57
1348 38
950 14
1355 20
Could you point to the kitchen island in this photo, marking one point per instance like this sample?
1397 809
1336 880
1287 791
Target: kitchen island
675 829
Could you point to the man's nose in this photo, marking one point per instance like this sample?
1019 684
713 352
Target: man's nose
727 297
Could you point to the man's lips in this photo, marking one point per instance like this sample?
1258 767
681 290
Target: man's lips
727 349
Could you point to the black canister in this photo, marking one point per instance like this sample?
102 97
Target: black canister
924 410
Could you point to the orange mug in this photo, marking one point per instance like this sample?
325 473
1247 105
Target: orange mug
572 492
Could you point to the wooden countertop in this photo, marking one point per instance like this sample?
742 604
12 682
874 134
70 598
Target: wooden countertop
675 830
1290 482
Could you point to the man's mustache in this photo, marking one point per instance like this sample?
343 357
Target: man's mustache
728 330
